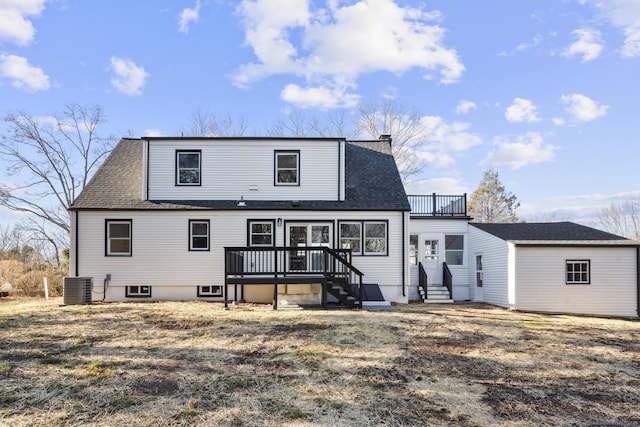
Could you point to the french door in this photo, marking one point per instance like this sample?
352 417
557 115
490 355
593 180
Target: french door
305 235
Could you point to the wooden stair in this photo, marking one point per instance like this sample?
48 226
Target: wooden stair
342 295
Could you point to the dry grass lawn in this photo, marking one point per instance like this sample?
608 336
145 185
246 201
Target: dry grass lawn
174 364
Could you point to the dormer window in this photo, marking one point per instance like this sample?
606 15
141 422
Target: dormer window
188 167
287 168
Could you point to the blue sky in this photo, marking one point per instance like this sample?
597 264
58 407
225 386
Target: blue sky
544 91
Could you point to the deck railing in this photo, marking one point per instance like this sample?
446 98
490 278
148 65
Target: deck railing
436 205
298 264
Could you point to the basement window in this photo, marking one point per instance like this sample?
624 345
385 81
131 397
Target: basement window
138 291
578 272
210 291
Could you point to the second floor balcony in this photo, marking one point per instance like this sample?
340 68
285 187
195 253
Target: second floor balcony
436 205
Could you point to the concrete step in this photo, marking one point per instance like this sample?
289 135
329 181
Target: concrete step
438 301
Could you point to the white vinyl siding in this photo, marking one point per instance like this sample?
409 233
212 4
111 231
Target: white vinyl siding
245 168
495 266
442 227
161 258
541 280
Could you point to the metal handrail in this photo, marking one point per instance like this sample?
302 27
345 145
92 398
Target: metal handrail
447 279
423 279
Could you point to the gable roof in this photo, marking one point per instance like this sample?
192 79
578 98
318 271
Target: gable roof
372 183
553 234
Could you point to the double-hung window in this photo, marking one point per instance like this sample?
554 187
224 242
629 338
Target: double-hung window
375 238
364 237
118 241
188 167
578 272
198 235
454 249
351 236
287 168
261 233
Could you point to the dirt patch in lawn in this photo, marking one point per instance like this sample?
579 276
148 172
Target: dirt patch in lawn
173 364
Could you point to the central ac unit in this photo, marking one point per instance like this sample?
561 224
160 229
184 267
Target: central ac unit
77 290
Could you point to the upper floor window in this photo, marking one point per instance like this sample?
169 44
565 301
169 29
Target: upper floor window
287 168
188 167
198 235
454 249
578 272
118 237
260 233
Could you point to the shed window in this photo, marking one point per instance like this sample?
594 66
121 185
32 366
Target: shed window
578 272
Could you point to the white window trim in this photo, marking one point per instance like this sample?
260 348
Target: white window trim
191 235
577 262
209 293
277 168
109 252
251 233
178 168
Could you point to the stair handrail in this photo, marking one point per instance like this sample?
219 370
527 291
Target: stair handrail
349 269
447 279
423 279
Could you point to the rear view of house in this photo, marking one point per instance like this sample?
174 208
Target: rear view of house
554 267
295 220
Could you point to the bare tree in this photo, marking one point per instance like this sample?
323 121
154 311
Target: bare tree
50 160
622 219
297 124
491 202
204 123
405 126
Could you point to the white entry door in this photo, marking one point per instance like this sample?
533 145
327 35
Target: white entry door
431 253
302 234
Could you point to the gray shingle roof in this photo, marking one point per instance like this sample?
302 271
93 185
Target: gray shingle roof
372 183
551 233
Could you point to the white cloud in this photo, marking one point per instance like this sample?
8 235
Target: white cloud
526 149
443 139
128 77
589 44
623 14
14 25
533 43
465 106
522 110
583 108
333 46
23 75
320 97
187 16
152 132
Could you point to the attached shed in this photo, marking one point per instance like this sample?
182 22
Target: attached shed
558 267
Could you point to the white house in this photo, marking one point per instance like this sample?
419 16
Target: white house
554 267
289 220
318 220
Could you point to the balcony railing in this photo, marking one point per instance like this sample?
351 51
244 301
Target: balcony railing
435 205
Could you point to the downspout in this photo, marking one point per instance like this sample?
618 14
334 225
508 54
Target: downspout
77 214
638 280
339 168
404 255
